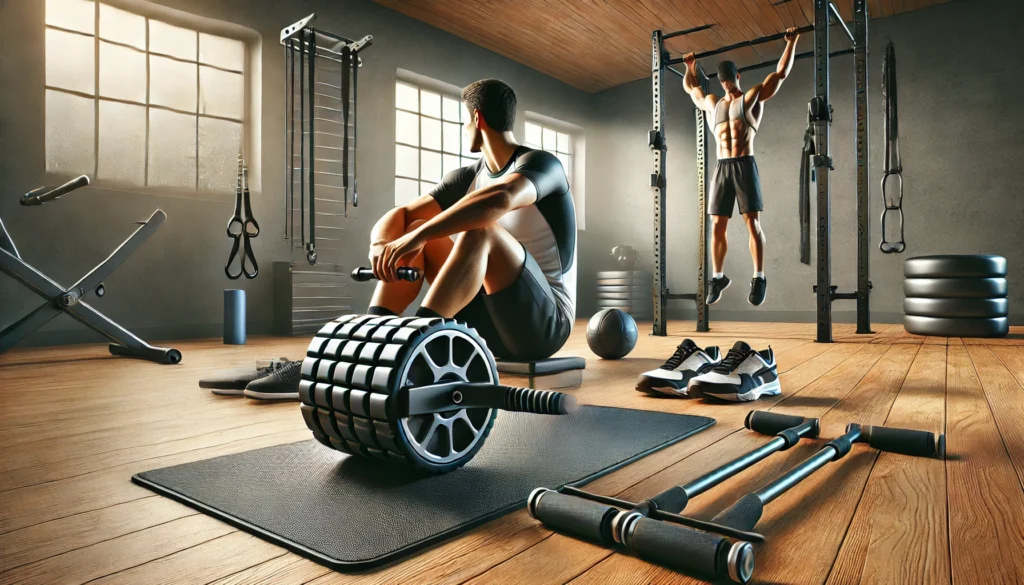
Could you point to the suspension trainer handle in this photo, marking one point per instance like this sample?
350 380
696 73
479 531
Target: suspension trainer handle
46 194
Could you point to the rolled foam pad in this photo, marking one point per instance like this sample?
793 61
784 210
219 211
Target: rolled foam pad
955 288
956 327
955 266
984 308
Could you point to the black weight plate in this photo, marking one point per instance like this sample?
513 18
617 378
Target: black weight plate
956 327
955 266
955 288
620 274
956 307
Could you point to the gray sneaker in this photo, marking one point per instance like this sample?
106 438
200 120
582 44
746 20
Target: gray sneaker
232 382
282 384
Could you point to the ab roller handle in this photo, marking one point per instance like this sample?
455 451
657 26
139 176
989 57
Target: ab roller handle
404 273
415 400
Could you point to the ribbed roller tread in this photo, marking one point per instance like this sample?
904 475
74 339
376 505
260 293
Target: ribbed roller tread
347 379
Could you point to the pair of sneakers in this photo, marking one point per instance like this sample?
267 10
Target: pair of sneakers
744 375
758 289
279 380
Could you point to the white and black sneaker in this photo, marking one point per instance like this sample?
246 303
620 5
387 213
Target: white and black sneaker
282 384
743 376
673 376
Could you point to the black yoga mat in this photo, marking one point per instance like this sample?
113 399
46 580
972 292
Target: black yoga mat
351 513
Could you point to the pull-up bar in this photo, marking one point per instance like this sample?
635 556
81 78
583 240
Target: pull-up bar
739 45
839 19
680 33
805 55
834 12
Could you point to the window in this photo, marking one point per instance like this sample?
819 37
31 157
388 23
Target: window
547 134
428 139
137 101
557 143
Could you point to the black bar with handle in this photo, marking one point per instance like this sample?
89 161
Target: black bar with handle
565 512
688 31
415 400
804 55
788 431
750 43
841 22
746 512
404 273
47 194
709 554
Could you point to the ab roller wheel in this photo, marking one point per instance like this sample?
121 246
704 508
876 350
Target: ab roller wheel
421 392
956 296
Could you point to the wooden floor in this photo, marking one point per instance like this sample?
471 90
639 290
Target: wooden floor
75 424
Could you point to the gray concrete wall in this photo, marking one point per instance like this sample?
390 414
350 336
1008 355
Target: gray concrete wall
959 128
172 287
960 136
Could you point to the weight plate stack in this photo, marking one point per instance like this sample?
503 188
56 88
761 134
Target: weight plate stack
956 296
627 290
356 365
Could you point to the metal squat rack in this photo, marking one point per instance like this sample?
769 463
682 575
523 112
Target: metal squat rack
662 63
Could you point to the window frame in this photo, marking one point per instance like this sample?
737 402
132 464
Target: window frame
425 84
577 157
194 24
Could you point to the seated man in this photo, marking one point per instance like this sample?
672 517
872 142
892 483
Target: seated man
496 240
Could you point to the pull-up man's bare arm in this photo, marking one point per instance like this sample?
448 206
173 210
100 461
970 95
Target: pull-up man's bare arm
767 89
691 85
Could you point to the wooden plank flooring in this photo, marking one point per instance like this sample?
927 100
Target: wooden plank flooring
77 423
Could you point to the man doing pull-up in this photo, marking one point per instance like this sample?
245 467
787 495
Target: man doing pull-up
734 119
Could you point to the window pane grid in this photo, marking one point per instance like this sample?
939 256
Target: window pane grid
427 123
555 142
116 83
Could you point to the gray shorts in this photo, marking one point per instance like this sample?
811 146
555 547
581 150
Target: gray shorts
521 322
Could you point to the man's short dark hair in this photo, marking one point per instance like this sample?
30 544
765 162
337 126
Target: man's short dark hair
727 71
495 100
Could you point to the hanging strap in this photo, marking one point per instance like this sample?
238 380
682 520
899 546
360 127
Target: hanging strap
311 244
892 178
355 136
805 195
346 92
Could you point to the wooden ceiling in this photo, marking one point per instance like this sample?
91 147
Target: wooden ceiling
595 45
